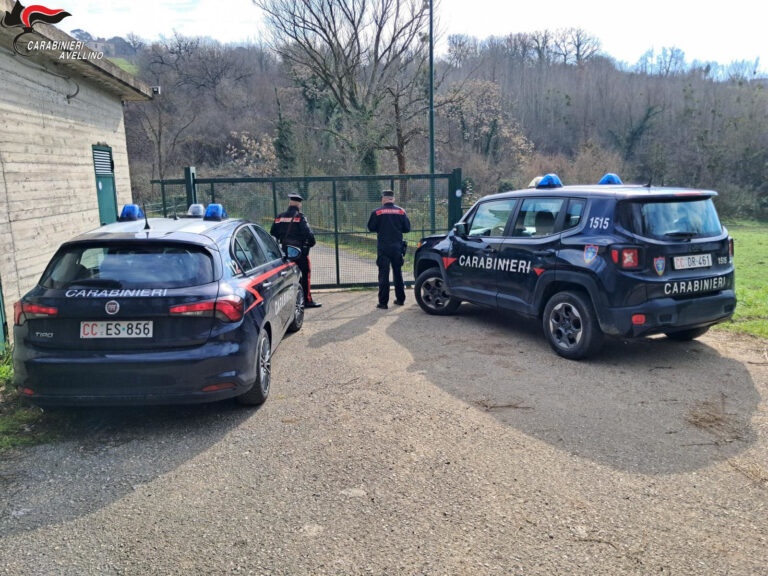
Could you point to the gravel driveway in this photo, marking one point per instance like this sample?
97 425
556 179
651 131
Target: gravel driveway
400 443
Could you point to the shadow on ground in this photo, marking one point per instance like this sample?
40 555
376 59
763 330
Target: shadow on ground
101 455
651 406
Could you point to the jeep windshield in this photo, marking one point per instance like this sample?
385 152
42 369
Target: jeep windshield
128 265
671 219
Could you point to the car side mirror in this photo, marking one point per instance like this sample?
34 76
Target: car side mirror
460 229
292 253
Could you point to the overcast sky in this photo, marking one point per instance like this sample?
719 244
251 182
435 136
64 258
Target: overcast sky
735 30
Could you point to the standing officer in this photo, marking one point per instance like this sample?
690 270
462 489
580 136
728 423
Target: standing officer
291 228
389 222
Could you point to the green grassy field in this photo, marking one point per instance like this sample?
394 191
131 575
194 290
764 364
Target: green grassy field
751 261
125 65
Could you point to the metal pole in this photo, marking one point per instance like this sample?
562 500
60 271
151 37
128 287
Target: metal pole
431 118
274 197
213 195
336 234
162 193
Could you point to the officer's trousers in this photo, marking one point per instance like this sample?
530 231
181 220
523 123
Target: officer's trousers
306 271
390 257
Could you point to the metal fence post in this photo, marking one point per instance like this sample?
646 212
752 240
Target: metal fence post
213 194
274 197
189 183
162 194
336 234
454 197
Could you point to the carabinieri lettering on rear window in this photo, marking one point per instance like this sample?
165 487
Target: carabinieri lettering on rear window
137 293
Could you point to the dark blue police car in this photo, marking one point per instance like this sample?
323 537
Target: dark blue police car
588 261
156 311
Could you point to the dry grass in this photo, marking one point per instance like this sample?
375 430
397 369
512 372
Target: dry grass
752 470
711 416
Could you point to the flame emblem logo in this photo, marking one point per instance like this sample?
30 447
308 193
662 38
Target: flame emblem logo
26 18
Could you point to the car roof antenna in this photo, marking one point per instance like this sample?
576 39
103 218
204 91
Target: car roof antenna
146 218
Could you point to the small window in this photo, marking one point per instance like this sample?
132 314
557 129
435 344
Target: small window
248 253
574 214
490 218
271 249
537 217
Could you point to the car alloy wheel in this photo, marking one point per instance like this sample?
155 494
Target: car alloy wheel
265 365
433 294
565 324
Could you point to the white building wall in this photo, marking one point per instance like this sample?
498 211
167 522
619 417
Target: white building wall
47 179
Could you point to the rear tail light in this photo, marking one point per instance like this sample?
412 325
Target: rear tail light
627 258
226 309
638 319
229 308
730 248
23 311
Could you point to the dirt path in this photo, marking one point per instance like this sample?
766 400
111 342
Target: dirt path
400 443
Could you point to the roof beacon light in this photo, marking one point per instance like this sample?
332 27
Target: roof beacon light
215 212
131 213
550 181
196 211
610 178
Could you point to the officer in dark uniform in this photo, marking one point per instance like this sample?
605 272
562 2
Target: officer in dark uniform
390 222
291 228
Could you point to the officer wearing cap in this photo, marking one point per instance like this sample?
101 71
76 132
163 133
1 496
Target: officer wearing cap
291 229
390 222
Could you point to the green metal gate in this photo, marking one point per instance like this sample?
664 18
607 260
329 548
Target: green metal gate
337 208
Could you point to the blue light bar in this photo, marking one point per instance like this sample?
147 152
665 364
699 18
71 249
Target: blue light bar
131 213
215 212
550 181
610 178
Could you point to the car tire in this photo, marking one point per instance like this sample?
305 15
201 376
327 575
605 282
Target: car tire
298 313
260 390
686 335
430 293
570 325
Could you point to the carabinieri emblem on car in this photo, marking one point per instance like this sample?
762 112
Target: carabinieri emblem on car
590 253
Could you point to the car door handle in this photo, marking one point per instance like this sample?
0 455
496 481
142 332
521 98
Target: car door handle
544 253
489 249
266 284
283 273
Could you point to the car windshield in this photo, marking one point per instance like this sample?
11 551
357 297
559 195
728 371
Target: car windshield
129 266
671 219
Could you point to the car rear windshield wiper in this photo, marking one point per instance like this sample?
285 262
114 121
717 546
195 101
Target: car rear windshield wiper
681 235
105 282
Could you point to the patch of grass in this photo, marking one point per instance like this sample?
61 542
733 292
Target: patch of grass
20 424
123 64
751 262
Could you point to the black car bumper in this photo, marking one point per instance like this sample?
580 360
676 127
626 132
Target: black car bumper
668 315
214 371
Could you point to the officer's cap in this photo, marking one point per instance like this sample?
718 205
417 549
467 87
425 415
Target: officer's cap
387 193
295 197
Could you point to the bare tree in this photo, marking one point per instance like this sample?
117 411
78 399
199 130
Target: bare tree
354 48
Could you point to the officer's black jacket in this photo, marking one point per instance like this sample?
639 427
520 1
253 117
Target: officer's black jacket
389 221
291 228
